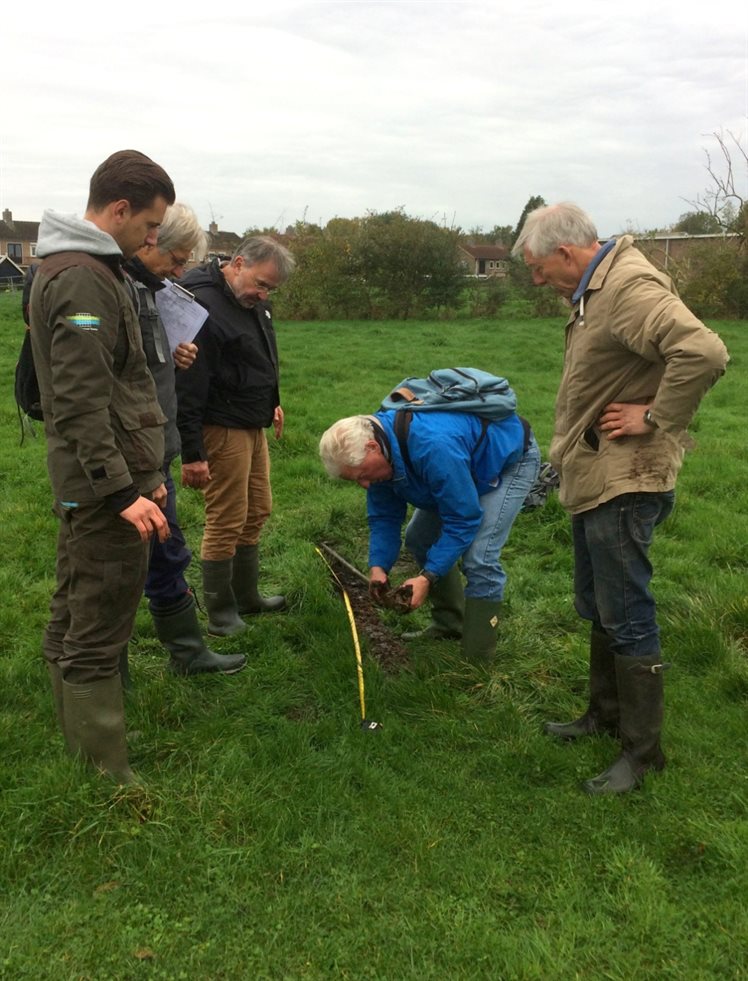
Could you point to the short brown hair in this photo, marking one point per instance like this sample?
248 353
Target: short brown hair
129 175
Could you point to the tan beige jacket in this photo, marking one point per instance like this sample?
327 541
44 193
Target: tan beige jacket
629 339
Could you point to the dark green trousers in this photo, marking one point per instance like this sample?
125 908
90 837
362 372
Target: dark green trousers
101 570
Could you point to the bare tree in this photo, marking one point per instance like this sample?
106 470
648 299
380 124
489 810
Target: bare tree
726 198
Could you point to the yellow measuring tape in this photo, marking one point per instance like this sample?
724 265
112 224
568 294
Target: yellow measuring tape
356 645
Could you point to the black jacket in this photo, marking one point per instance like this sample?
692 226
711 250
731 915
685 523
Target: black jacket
234 379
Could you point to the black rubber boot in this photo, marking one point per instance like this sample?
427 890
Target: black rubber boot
480 629
602 712
641 701
95 726
178 630
220 601
447 599
244 581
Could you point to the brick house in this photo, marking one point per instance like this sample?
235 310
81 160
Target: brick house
221 244
484 260
18 239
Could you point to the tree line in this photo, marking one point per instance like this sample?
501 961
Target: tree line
390 265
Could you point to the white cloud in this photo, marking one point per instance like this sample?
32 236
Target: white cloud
453 110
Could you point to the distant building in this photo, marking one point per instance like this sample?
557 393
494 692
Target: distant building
10 273
221 244
484 260
18 240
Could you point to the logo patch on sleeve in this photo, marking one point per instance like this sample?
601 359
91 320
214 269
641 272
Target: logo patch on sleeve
86 321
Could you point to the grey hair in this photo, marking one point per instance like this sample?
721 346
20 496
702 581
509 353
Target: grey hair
262 248
344 443
181 229
545 229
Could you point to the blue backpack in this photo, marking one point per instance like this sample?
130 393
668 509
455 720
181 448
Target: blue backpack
453 390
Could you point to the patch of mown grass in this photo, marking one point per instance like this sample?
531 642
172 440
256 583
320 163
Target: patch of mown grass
274 839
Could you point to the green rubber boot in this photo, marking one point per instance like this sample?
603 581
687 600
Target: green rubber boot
602 712
220 601
641 701
178 630
55 678
95 726
447 598
246 574
480 629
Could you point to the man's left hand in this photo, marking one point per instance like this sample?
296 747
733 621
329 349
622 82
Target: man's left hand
420 586
278 422
184 355
624 419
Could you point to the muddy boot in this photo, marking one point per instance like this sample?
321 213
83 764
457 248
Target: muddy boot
602 712
480 629
95 726
220 601
244 582
447 599
55 678
179 631
641 701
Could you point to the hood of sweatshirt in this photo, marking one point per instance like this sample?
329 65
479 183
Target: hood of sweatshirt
66 233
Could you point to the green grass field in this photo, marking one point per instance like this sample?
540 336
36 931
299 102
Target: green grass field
275 840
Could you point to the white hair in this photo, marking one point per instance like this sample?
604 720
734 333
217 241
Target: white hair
181 229
546 229
344 443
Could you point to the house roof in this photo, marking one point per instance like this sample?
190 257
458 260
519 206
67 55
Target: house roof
9 269
19 231
486 251
223 242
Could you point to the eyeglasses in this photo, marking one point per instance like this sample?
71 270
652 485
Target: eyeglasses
178 261
263 287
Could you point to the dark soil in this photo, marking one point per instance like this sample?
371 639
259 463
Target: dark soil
383 645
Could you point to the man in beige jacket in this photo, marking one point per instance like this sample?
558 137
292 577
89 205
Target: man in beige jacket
637 364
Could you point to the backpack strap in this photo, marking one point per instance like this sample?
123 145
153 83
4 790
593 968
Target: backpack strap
401 429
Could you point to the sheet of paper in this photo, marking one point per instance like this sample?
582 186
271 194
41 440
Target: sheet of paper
180 312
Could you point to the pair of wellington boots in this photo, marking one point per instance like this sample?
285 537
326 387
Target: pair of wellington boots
92 719
178 629
454 616
626 701
230 591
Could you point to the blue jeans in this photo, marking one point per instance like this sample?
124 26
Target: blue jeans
612 570
165 583
481 563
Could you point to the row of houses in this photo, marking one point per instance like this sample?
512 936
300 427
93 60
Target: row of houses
18 249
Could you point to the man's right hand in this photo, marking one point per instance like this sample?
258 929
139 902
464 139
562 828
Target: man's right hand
147 518
378 584
196 474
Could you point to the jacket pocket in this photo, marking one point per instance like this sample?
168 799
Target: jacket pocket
139 431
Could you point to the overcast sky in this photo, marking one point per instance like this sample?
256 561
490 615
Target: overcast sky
457 111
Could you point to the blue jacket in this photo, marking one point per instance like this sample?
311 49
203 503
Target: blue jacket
449 475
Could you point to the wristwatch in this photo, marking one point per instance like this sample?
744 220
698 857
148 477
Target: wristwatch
650 420
431 576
